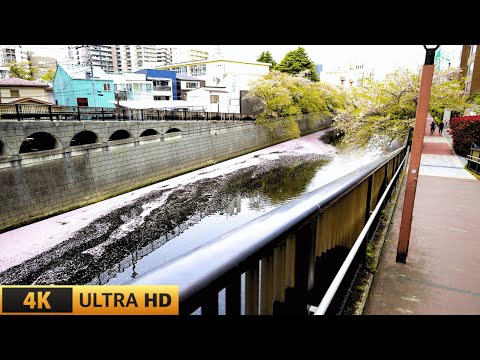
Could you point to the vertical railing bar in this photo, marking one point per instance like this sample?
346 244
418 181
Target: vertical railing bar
290 261
251 290
279 273
233 296
266 285
210 305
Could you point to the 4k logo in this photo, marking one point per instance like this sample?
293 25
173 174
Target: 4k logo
17 299
40 302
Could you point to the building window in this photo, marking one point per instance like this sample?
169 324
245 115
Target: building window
14 93
198 70
82 102
192 85
214 99
106 87
180 70
473 49
470 68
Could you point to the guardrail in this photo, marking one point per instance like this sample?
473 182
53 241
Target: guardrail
53 112
288 257
473 159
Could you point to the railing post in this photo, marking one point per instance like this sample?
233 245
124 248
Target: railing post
17 107
233 297
304 269
368 204
103 114
123 113
78 113
141 113
158 115
50 112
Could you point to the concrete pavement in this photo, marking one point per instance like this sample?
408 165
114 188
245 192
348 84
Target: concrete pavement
442 272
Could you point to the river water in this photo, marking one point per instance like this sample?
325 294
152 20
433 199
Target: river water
133 234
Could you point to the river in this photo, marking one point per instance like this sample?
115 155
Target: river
114 240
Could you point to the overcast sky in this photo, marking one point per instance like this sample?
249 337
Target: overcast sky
383 58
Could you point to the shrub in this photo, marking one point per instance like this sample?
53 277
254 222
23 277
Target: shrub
465 130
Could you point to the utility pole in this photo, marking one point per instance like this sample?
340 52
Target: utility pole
94 92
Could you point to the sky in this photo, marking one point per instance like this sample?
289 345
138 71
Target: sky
383 58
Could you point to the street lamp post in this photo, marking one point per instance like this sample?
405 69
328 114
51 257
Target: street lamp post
416 152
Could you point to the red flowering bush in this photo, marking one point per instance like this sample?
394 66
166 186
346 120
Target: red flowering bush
465 130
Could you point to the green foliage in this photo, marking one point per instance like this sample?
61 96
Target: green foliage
465 131
22 70
49 75
383 111
267 57
297 62
282 96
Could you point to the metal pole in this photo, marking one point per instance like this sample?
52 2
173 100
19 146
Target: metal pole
18 112
93 80
416 153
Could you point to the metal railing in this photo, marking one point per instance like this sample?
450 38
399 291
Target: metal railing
53 112
473 159
288 257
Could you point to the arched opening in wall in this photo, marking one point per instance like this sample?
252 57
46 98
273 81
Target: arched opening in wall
119 135
149 132
83 138
173 133
39 141
4 150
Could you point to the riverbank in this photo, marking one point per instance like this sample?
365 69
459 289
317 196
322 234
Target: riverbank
72 248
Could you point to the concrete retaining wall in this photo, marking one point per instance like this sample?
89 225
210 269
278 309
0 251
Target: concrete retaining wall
39 184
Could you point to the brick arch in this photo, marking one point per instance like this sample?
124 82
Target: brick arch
149 132
40 141
85 137
120 135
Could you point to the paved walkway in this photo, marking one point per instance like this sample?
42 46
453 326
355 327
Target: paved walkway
442 272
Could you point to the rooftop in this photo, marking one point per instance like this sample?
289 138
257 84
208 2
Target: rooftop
20 83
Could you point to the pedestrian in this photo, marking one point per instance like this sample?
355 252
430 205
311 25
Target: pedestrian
432 127
440 127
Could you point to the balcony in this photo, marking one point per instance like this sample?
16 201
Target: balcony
162 88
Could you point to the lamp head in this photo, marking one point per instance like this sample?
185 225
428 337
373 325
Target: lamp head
430 55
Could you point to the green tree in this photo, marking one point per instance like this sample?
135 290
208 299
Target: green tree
22 70
281 96
49 75
297 62
383 111
267 57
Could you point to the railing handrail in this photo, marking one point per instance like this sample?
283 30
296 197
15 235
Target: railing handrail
224 256
336 282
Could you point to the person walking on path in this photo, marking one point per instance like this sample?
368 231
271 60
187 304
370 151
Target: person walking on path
432 127
440 127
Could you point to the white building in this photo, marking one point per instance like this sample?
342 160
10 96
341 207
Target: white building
181 55
136 57
164 56
210 99
233 75
10 53
347 76
100 55
131 86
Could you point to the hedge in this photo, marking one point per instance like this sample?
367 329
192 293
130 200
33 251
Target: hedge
465 130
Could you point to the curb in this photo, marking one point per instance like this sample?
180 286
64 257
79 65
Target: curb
379 239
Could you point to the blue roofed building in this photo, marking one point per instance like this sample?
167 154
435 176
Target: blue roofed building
164 83
77 86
